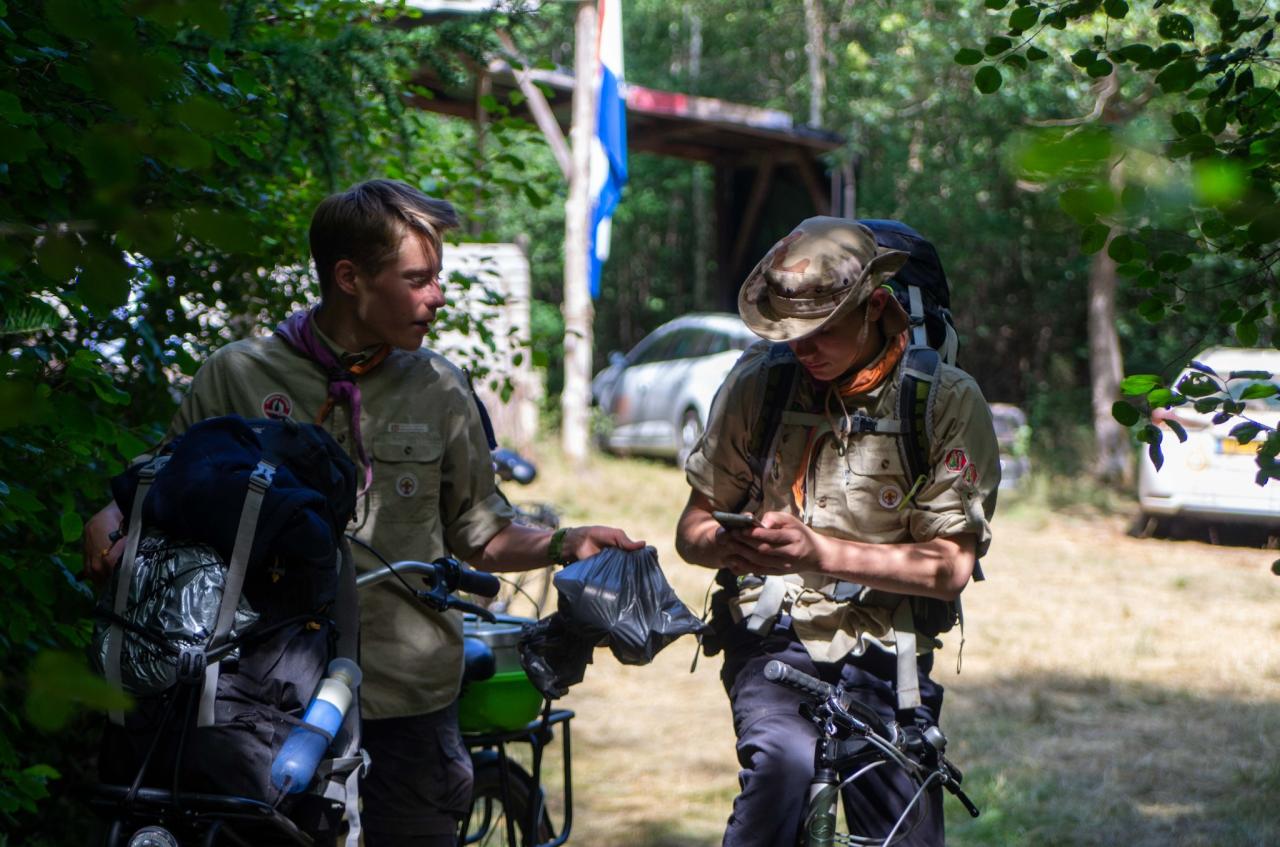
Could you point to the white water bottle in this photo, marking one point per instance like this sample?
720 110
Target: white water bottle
295 764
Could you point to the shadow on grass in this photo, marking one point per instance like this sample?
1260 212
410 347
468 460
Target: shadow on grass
1086 760
664 833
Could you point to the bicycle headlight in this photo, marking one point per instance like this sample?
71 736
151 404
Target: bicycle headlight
153 836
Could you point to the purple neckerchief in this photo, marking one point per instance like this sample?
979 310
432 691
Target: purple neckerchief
299 333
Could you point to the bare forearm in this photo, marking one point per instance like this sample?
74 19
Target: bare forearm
696 535
521 548
940 568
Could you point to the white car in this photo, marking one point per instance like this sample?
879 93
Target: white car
658 396
1211 475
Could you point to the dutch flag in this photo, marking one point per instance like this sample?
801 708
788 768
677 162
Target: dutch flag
609 144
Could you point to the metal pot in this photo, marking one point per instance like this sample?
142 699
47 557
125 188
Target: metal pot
502 636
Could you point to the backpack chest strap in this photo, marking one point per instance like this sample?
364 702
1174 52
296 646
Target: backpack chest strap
857 423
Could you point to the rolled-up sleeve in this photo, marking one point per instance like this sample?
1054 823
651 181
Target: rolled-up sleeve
959 496
717 467
472 508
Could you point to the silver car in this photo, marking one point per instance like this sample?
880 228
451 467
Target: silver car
656 398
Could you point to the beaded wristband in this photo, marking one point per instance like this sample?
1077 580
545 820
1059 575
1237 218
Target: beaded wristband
555 550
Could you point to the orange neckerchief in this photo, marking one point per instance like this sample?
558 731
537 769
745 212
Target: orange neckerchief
866 379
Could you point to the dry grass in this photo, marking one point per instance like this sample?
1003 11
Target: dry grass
1114 690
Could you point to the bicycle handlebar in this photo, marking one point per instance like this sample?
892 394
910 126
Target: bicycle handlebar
443 577
864 718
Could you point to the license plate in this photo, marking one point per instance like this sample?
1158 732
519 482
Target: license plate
1230 445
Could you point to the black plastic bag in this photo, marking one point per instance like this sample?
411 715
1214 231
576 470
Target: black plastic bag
624 598
616 598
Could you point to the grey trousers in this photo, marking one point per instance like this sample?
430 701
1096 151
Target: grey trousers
776 745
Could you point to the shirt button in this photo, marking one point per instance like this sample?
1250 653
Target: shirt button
341 439
408 450
884 463
822 502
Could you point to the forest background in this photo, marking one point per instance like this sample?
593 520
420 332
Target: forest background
159 160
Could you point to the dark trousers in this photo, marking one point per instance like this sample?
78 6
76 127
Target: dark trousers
776 745
419 783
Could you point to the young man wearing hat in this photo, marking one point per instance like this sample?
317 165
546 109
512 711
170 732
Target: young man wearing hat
356 365
837 512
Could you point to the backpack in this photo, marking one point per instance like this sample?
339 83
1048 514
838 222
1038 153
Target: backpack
235 591
921 287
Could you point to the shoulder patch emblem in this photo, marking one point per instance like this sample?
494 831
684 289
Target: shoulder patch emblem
890 496
407 485
971 475
956 461
277 406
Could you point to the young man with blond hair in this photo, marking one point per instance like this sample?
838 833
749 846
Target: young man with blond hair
355 364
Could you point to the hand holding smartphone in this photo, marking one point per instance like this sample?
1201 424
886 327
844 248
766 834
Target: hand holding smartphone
736 520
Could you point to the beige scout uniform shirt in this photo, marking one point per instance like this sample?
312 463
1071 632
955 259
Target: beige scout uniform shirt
433 494
855 496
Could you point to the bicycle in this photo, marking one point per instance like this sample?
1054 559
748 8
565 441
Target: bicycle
840 720
143 816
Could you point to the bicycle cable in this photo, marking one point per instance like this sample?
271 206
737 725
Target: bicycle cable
537 610
385 563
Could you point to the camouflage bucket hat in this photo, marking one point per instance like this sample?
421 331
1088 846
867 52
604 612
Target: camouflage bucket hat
823 270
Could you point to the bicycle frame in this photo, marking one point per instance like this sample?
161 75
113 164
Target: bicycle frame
490 748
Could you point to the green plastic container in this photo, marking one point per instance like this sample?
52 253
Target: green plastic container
507 700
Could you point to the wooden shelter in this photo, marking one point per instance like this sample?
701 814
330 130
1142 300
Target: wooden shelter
769 171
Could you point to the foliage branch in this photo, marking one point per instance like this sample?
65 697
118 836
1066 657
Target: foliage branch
1197 224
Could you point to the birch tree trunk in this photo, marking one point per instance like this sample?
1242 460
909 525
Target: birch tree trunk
1106 365
575 401
814 47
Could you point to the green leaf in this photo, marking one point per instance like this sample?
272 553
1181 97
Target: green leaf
1116 8
1176 28
1185 123
109 393
1178 429
1170 262
1156 454
1024 18
1160 397
1152 309
996 4
1179 76
1093 237
1245 432
997 44
1121 248
1124 413
1259 390
1035 54
1099 69
1137 384
71 525
1084 57
988 79
968 56
58 683
1247 333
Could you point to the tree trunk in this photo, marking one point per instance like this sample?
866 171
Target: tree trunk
575 401
1106 365
814 42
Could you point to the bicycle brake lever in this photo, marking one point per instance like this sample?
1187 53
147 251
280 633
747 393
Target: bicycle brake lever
956 790
463 606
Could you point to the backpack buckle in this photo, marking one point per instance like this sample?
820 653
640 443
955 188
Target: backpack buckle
858 423
192 663
263 475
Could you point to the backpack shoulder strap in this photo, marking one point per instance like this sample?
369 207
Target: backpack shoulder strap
918 382
780 372
259 481
124 578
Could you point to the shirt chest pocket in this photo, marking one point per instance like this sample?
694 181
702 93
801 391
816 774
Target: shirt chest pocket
876 484
406 476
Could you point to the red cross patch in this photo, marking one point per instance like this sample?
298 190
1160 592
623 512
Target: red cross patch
277 406
406 485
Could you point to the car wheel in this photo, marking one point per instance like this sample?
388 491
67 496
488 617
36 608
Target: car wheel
690 432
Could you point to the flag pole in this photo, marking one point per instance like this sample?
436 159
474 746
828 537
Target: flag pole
575 400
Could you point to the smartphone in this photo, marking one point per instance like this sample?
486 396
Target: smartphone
736 520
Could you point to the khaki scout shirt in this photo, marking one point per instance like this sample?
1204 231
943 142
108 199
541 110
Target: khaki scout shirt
433 494
855 496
